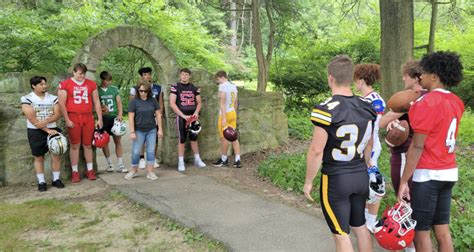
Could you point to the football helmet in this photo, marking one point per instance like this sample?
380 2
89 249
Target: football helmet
193 125
57 144
119 128
376 185
395 230
230 134
101 138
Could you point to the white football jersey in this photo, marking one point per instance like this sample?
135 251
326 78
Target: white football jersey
43 107
230 91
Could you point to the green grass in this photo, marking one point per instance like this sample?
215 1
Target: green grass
252 85
288 172
15 219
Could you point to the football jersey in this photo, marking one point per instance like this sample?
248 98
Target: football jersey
43 107
437 115
230 91
348 121
186 97
108 97
79 96
378 104
155 91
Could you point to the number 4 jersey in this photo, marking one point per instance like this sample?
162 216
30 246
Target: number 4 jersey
79 96
437 115
348 121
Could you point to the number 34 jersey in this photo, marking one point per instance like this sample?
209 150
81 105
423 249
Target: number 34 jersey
79 96
348 121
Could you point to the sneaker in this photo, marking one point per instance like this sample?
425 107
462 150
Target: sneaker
370 226
91 175
110 168
152 176
199 163
42 187
75 177
130 175
58 183
238 164
121 168
220 163
156 165
142 163
181 167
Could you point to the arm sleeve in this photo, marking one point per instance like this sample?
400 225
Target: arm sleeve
25 100
62 85
173 90
131 106
197 91
320 116
55 100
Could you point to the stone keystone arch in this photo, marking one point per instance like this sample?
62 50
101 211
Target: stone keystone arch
262 123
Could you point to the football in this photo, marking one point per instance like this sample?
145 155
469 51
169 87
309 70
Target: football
398 134
401 101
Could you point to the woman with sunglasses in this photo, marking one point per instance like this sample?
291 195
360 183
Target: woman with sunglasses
144 114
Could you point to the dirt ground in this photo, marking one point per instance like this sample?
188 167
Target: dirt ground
107 221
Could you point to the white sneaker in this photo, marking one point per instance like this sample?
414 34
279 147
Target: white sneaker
156 165
110 167
152 176
199 163
121 168
370 226
181 167
142 163
130 175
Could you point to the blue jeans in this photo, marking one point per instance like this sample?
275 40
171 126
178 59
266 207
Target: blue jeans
148 137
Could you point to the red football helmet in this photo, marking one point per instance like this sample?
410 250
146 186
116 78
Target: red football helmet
230 134
395 230
101 138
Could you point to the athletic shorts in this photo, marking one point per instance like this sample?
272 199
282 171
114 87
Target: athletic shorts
38 140
231 120
343 200
183 132
431 203
108 123
397 166
83 129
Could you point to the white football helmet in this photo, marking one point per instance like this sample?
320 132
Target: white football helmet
119 128
376 185
57 144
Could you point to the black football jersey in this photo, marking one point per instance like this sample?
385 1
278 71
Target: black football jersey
186 97
348 121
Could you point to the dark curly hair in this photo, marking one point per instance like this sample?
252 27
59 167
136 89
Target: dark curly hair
370 73
446 65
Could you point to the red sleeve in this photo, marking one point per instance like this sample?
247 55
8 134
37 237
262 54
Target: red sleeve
63 85
92 85
423 115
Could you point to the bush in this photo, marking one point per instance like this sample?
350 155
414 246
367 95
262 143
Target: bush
299 124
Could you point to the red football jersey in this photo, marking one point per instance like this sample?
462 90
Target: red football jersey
79 97
437 115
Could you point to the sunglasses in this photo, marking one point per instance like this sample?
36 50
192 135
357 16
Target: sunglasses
142 91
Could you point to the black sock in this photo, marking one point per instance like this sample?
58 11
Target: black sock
142 156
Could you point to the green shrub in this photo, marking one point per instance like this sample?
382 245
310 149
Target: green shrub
299 124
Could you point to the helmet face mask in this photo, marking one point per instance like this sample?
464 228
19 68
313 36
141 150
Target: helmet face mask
57 144
119 128
395 230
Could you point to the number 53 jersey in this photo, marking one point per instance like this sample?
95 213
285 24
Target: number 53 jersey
79 96
437 115
348 121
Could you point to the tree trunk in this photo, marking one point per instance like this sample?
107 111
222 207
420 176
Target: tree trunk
258 44
434 15
396 19
233 25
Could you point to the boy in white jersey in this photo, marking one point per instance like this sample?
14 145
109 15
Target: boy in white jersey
42 112
365 76
227 117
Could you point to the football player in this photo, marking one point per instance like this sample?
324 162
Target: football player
227 117
365 76
77 98
111 109
185 100
42 112
342 131
431 158
146 75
